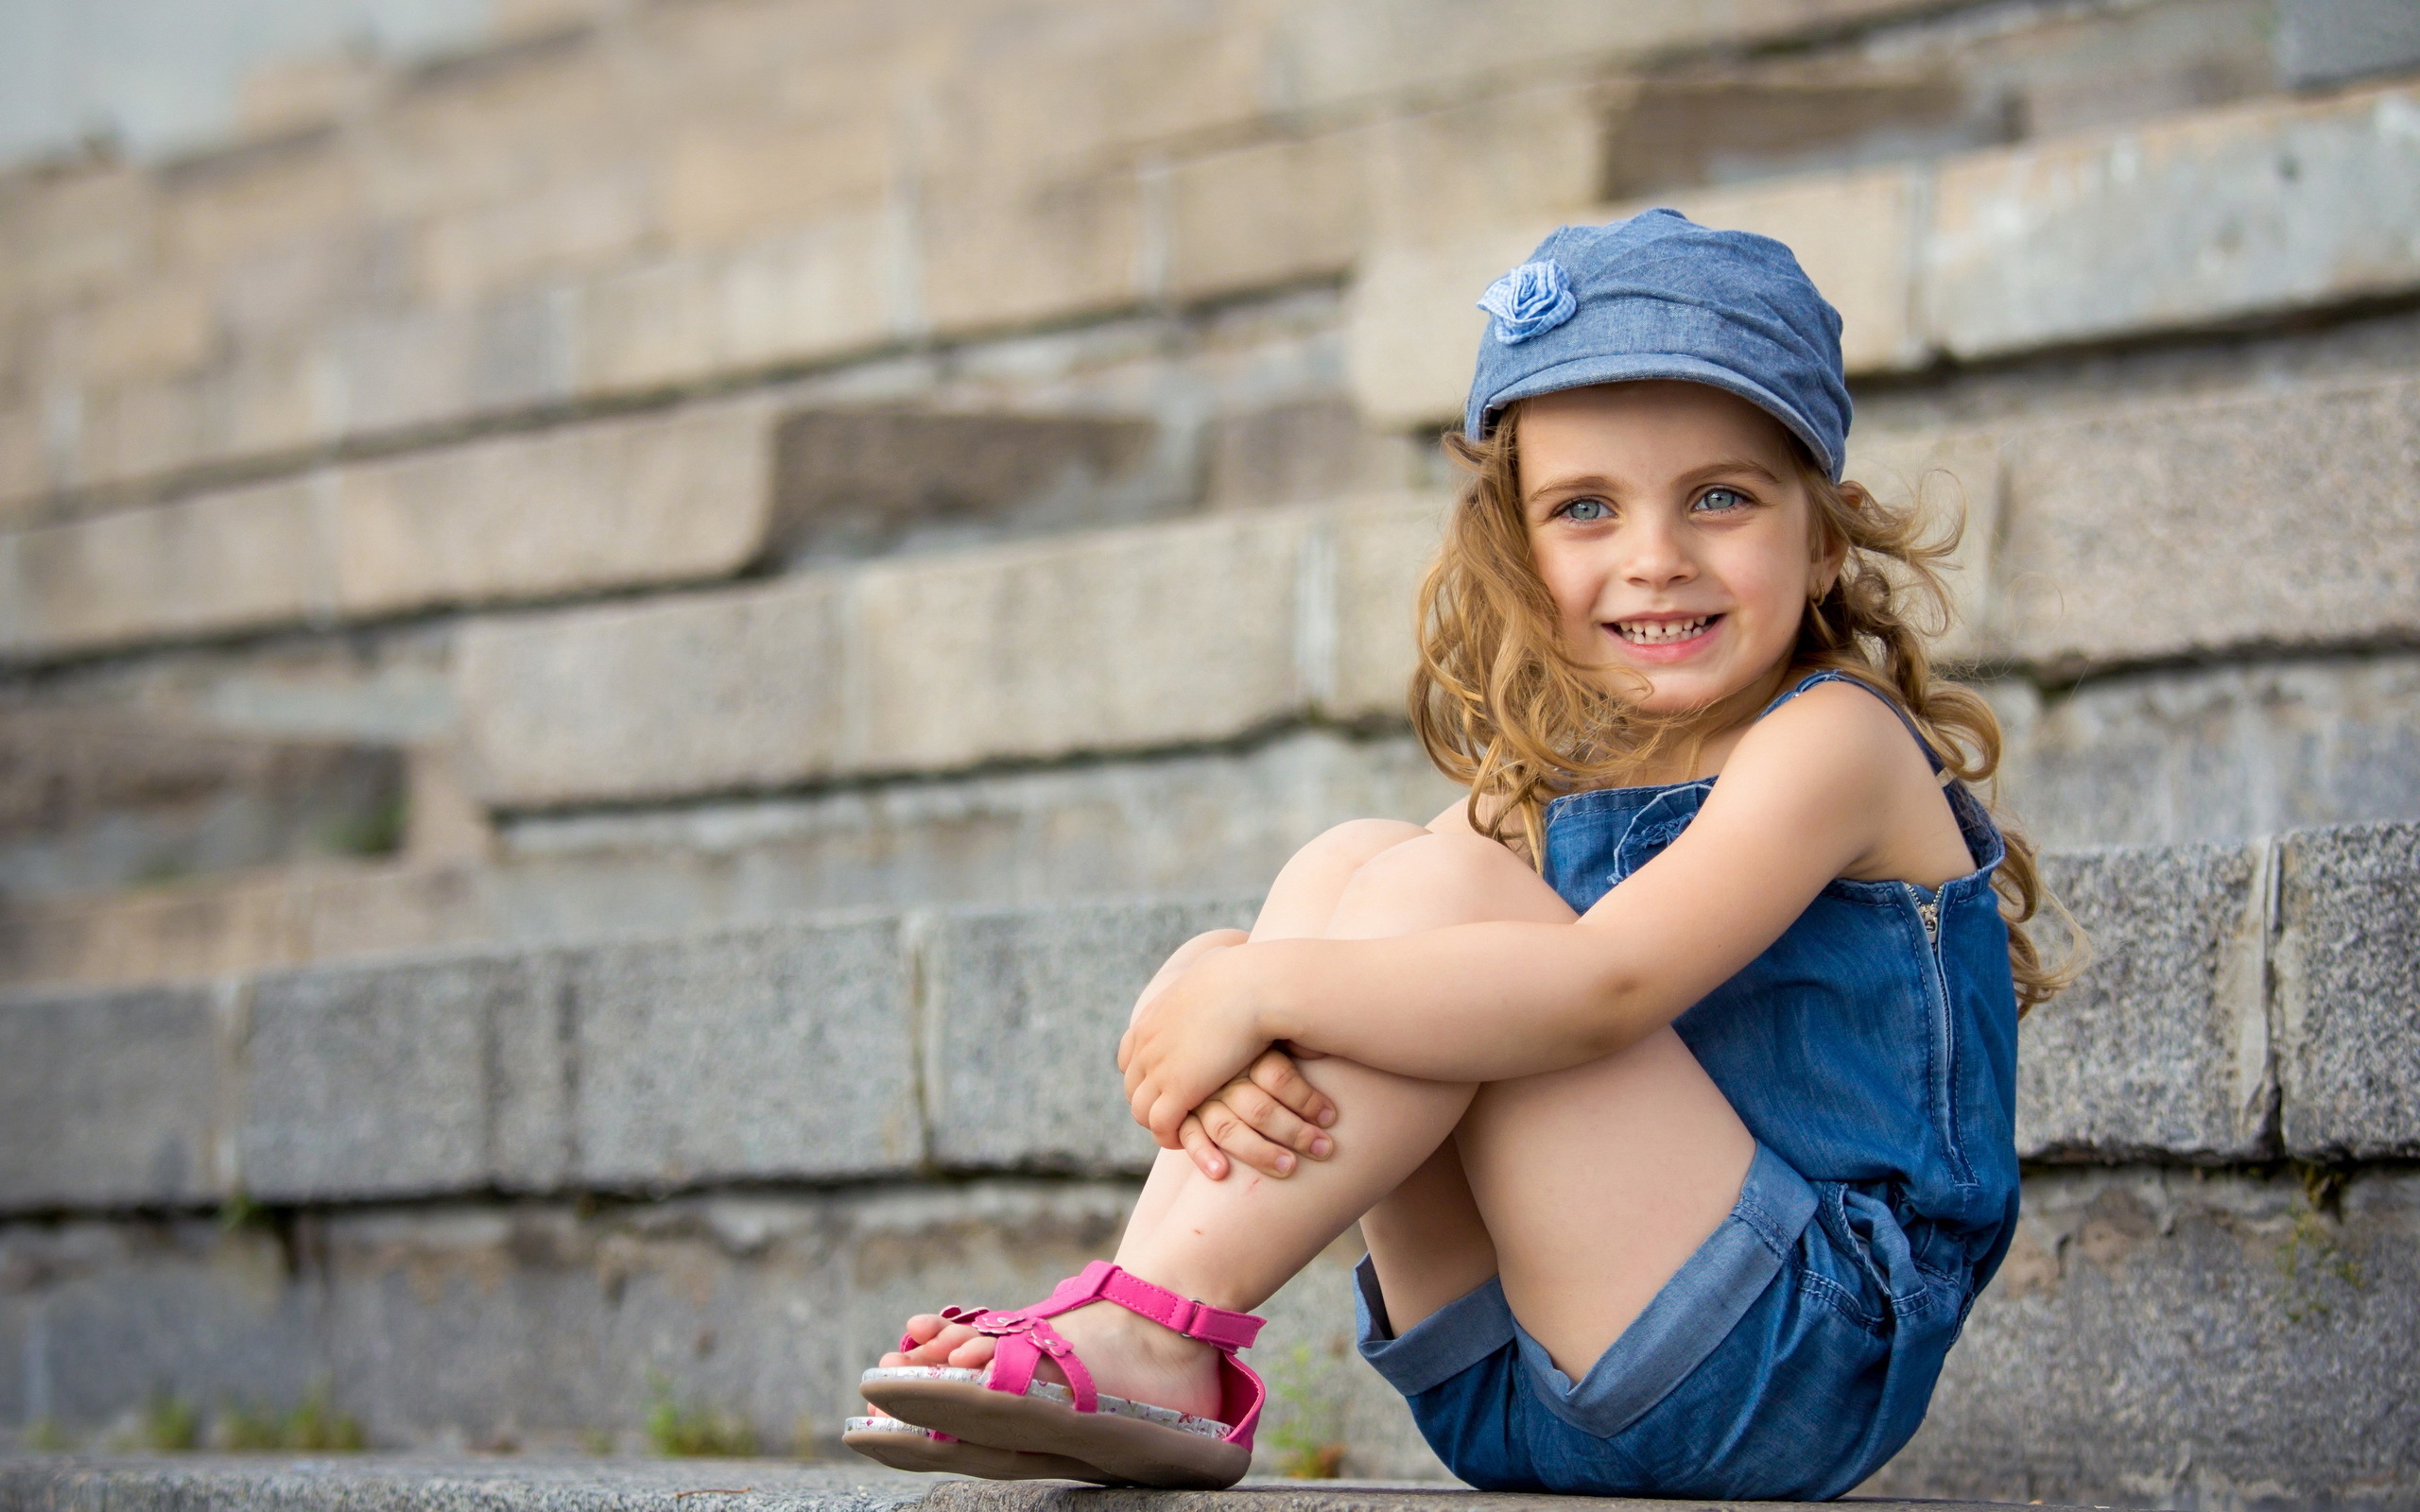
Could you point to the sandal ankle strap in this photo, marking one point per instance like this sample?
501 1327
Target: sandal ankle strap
1214 1326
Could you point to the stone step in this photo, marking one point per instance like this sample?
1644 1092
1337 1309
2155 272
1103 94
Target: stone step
92 801
2153 1339
2156 757
417 1484
2245 1003
1208 631
528 229
2191 221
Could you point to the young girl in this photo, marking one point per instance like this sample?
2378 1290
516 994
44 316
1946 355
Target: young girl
1670 1077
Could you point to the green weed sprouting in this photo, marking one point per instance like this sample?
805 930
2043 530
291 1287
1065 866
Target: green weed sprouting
680 1430
311 1426
2311 1253
170 1424
1307 1425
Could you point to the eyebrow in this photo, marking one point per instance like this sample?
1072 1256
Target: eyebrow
1597 483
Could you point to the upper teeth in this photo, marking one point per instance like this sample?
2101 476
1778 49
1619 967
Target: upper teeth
1651 632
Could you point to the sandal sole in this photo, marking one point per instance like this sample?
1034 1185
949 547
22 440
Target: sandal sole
905 1446
1130 1449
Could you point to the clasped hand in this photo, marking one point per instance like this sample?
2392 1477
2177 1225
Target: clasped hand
1204 1078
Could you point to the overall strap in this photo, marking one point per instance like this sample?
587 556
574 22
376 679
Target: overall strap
1813 678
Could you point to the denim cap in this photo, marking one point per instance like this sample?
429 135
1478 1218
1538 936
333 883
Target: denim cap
1659 296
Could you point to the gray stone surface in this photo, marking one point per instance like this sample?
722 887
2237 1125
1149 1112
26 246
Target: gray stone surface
2156 1338
2162 1046
2326 42
452 1484
395 1079
2348 992
782 1051
710 693
97 1316
91 801
109 1098
2171 1339
1021 1016
548 1328
2191 221
2112 527
2172 755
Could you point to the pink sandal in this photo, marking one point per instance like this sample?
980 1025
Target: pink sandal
907 1447
1117 1440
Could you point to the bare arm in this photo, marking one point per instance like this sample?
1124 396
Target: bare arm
1808 795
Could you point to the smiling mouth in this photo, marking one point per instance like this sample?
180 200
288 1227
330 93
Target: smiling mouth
1662 633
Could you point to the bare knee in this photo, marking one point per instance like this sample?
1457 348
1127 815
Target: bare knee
1304 896
1436 880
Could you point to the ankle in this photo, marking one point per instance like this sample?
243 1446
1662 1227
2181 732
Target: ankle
1137 1338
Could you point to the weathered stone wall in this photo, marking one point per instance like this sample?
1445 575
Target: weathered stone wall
590 631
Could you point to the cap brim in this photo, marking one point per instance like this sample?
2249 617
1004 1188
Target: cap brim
1638 366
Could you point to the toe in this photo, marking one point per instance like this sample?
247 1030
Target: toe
974 1355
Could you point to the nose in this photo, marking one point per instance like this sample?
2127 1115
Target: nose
1658 555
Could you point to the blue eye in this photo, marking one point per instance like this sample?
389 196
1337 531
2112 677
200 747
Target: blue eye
1587 511
1714 500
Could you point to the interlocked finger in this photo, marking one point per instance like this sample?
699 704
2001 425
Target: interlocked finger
1236 1137
1275 1073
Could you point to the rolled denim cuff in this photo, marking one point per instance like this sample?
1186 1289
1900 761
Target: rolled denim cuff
1441 1346
1693 1312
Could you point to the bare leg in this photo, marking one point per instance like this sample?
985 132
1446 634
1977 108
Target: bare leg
1665 1156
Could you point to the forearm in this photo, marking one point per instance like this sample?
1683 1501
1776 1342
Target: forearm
1471 1002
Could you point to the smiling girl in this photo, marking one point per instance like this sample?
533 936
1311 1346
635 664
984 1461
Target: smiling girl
1671 1077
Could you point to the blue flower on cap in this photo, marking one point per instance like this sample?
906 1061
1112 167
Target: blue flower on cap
1531 299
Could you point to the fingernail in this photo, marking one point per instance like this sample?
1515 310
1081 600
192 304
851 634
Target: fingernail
1285 1163
1321 1147
1327 1116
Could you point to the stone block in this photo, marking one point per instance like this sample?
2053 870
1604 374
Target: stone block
2174 1339
2348 992
559 226
100 1317
160 329
734 690
2212 549
2188 221
1336 52
1021 1015
1510 155
135 429
2162 1047
110 1099
90 801
239 559
734 178
998 254
192 931
1271 212
818 292
866 481
1382 552
781 1052
1307 450
400 368
224 206
1183 633
1947 476
2167 756
606 504
402 1079
2327 42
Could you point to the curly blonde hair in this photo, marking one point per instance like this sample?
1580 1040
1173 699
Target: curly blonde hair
1501 706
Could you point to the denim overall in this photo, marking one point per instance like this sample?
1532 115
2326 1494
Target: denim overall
1872 1052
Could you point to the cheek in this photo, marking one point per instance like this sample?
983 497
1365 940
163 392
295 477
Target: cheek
1572 585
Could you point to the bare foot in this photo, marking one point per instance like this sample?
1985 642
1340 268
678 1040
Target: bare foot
1129 1356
